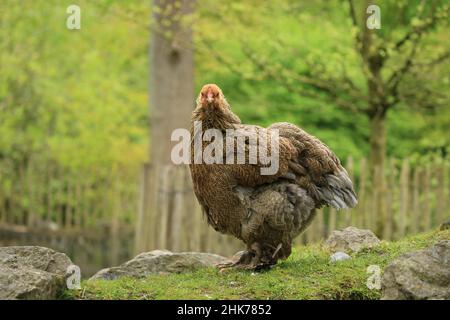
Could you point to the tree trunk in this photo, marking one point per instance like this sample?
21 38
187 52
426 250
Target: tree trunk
171 76
171 102
377 141
377 165
372 65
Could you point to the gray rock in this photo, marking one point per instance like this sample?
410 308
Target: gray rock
160 261
418 275
351 239
339 256
32 272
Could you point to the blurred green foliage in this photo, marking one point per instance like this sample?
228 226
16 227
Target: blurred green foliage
317 38
79 97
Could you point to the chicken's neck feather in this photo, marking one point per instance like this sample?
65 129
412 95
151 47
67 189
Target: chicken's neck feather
220 117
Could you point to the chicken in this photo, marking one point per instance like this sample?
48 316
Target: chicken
265 211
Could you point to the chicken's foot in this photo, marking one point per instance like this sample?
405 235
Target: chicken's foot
245 260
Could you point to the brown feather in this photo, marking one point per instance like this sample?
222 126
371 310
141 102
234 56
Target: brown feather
266 212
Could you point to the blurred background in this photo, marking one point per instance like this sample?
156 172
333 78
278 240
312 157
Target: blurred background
86 114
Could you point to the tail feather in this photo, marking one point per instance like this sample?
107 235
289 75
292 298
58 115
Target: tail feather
339 192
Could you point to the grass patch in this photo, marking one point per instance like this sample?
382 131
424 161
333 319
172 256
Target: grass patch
307 274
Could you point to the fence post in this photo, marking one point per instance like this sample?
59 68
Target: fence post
390 212
3 217
192 214
140 237
310 232
447 203
349 214
383 219
202 229
163 206
375 201
176 228
60 198
362 212
49 190
69 213
426 199
416 201
20 197
320 225
114 224
78 203
86 202
331 220
404 198
31 206
440 197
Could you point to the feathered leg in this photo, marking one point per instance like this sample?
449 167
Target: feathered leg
240 260
255 258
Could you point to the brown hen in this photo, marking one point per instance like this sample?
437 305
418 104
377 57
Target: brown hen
265 211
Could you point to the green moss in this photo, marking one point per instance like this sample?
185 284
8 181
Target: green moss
307 274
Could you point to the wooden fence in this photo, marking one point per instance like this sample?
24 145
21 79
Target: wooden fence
102 218
171 218
398 200
89 214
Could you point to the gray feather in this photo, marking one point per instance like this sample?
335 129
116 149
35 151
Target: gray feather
339 192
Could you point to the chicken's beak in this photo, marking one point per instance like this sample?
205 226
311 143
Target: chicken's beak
210 98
